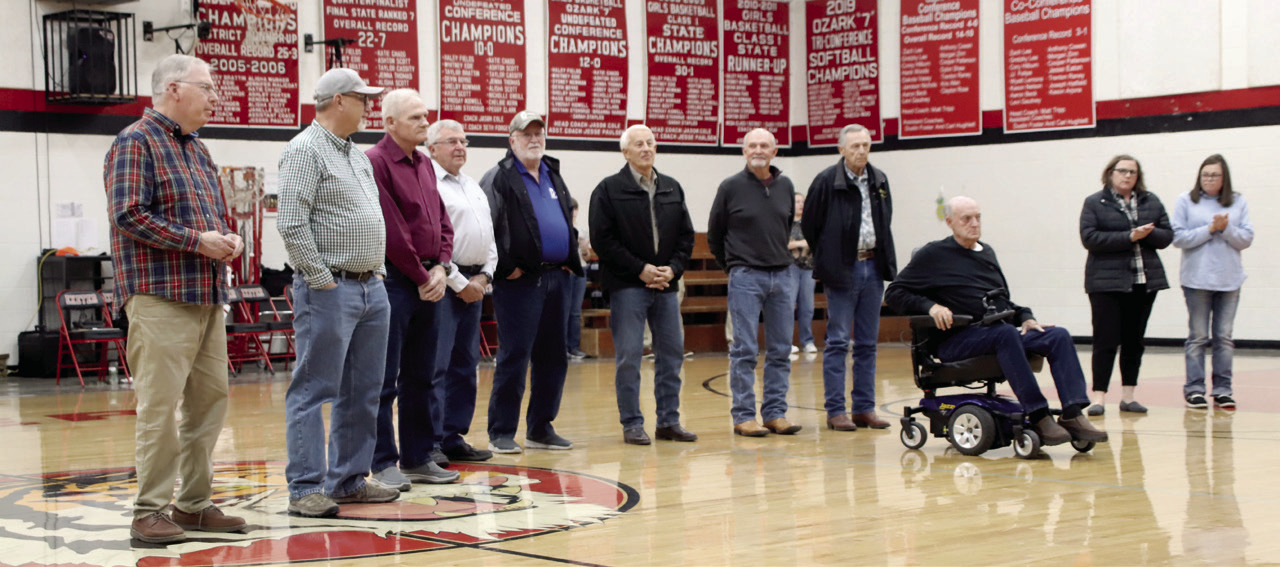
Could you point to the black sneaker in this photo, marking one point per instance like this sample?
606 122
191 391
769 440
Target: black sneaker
466 452
1224 401
1197 401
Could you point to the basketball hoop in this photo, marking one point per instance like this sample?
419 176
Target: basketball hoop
242 190
264 25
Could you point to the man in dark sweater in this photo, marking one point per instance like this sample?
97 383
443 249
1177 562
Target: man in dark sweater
642 232
748 232
953 275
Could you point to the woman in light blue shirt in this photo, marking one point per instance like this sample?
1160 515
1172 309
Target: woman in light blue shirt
1211 226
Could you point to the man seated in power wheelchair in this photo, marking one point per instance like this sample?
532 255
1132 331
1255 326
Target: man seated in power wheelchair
953 281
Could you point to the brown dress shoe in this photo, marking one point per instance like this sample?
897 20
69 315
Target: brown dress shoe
781 426
1080 428
869 419
210 519
750 428
841 423
156 527
1050 432
675 433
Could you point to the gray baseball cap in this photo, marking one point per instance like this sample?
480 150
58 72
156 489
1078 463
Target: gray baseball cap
341 80
524 118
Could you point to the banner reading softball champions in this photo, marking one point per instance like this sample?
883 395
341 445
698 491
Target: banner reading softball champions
683 45
844 68
756 84
482 63
253 53
1048 65
384 42
939 69
587 68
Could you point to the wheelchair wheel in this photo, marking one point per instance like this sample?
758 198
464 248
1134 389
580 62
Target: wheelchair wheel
971 430
1027 444
913 435
1082 446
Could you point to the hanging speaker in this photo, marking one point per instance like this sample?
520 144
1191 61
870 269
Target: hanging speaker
92 68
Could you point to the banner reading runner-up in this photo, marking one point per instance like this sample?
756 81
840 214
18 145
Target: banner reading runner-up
757 88
256 80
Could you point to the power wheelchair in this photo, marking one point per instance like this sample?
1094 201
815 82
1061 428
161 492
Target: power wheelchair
972 422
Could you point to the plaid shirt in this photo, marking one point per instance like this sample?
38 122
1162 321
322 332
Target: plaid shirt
330 218
162 189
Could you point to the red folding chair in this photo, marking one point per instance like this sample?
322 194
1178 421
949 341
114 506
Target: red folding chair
244 335
86 322
257 305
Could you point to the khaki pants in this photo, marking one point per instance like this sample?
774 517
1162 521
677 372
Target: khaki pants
178 353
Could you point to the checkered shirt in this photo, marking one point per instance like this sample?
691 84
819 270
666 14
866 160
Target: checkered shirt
162 192
330 218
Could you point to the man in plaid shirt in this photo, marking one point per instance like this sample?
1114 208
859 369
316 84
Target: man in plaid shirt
169 242
333 229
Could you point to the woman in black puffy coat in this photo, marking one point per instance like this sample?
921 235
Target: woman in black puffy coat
1122 226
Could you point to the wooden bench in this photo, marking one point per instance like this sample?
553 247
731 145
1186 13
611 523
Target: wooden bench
705 308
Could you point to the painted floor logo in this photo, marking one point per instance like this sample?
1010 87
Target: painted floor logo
82 518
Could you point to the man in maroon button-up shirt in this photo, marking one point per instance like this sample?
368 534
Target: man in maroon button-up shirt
419 247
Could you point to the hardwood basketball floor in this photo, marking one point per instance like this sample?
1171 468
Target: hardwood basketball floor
1176 486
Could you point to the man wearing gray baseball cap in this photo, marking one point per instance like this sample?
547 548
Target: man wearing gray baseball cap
536 254
332 226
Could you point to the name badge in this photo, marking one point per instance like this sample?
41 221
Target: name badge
551 192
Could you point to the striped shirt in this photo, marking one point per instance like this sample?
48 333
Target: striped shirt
162 192
330 218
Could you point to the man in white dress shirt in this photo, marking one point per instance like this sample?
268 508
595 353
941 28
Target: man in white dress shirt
457 317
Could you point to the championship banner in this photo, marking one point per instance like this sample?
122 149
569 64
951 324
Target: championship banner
1048 65
383 42
939 69
483 63
844 69
586 69
252 51
757 89
683 47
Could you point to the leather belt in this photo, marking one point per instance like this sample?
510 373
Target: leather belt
469 270
548 266
866 255
358 276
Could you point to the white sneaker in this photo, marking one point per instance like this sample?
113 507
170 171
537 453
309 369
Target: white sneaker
810 348
795 349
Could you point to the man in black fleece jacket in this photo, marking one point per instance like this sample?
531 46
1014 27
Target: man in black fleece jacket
953 275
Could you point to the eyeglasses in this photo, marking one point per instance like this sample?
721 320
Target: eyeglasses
364 99
454 142
206 87
1210 175
1125 172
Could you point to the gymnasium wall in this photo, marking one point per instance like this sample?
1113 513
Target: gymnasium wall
1174 81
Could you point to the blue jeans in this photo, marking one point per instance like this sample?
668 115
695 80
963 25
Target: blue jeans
531 316
1220 307
341 336
752 292
1010 347
457 325
859 306
408 378
573 323
804 302
629 309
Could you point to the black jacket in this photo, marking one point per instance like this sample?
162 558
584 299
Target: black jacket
1104 230
622 229
832 220
750 222
515 226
